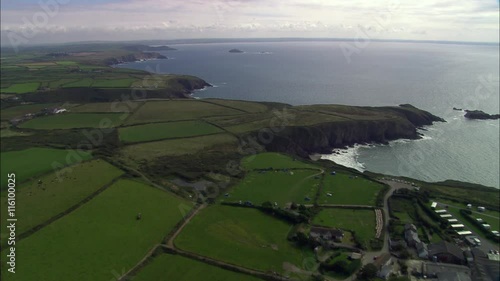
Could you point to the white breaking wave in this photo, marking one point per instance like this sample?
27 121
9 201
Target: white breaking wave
347 157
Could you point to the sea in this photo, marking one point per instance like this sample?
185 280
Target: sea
431 76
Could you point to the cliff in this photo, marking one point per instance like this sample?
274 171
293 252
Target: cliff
395 123
480 115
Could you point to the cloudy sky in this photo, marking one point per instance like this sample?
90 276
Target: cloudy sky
31 21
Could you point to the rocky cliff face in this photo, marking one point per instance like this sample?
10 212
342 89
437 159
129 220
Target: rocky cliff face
322 138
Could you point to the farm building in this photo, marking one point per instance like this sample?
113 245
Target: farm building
446 272
384 266
446 252
326 234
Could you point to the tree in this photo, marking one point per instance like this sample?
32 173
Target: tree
369 271
302 238
340 266
267 205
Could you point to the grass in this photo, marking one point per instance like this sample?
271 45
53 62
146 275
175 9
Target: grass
76 120
8 133
251 107
177 147
174 267
106 107
348 190
158 131
21 88
113 83
104 235
82 83
36 203
275 161
20 111
280 187
35 161
362 222
241 236
158 111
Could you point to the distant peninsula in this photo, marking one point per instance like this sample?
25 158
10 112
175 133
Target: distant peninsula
480 115
236 51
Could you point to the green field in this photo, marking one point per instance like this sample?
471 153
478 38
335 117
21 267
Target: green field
158 131
174 267
103 236
251 107
348 190
35 161
36 203
158 111
20 111
21 88
280 187
76 120
362 222
113 83
176 147
82 83
106 107
8 133
241 236
275 161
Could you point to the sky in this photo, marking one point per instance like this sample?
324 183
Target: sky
56 21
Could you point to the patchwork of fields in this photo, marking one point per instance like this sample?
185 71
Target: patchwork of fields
241 236
104 234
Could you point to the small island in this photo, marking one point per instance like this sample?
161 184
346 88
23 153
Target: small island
480 115
236 51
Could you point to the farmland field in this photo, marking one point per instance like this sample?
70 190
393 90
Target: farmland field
175 267
113 83
158 131
21 88
177 147
273 160
343 186
280 187
106 107
76 120
157 111
362 222
57 192
241 236
252 107
8 133
82 83
20 111
41 160
104 235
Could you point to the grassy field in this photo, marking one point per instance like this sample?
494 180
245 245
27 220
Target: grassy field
103 235
158 111
82 83
41 160
280 187
75 120
176 147
106 107
113 83
8 133
174 267
21 88
275 161
20 111
158 131
344 186
36 203
251 107
362 222
241 236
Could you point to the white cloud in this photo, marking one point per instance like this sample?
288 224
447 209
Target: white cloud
462 20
